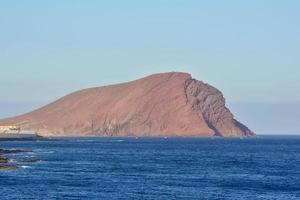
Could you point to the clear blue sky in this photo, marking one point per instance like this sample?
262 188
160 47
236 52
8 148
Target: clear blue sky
248 49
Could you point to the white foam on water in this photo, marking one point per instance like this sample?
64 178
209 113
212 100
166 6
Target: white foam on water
25 167
116 140
85 140
42 151
48 152
29 156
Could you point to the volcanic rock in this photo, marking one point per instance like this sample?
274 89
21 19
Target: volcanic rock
13 151
4 160
29 160
166 104
9 167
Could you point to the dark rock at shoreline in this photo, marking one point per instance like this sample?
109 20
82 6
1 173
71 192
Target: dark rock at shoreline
13 151
4 160
9 167
30 160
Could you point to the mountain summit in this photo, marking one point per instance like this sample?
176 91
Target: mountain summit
166 104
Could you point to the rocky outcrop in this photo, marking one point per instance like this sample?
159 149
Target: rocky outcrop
209 103
13 151
9 167
167 104
4 160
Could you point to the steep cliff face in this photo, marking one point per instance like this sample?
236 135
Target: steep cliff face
167 104
209 103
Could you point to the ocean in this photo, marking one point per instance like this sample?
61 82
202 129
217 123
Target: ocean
263 167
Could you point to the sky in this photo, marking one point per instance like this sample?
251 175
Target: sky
247 49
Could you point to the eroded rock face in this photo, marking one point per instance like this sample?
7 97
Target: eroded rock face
209 103
167 104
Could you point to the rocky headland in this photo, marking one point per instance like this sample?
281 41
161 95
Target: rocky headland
166 104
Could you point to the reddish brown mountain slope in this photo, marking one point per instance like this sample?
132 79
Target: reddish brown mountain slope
167 104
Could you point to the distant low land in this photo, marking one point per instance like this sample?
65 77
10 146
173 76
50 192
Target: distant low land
166 104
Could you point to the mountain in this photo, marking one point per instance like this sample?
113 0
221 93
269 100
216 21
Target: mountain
166 104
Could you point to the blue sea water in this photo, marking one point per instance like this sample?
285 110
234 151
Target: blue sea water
265 167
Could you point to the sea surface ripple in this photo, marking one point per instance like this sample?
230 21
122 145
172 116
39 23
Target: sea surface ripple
265 167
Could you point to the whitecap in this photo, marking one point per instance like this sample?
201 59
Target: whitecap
25 167
116 140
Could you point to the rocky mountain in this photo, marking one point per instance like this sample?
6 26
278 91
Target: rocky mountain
166 104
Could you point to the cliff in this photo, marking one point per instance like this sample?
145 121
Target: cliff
167 104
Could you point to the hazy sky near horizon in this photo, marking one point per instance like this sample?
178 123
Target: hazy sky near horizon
248 49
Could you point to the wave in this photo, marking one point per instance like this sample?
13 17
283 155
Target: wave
116 140
25 167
